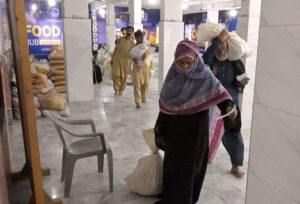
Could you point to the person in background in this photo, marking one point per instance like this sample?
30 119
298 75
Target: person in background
141 74
216 58
97 76
123 31
189 90
103 49
123 34
120 61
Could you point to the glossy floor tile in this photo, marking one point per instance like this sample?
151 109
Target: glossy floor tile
122 124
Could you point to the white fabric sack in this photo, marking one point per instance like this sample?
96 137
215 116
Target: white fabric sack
236 47
248 52
146 178
138 51
208 31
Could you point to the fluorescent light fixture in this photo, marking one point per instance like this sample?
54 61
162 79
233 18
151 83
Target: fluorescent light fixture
51 2
34 7
233 13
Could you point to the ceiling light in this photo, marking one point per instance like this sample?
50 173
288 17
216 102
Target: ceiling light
184 6
34 7
233 13
51 3
101 12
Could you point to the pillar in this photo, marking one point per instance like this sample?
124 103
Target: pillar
213 15
274 163
171 32
248 27
78 50
110 27
135 14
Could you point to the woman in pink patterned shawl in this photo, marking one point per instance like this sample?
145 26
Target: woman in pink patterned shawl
182 127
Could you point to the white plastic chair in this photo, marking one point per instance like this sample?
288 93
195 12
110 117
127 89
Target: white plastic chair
92 145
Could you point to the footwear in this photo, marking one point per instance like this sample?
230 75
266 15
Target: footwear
138 105
237 171
116 93
120 94
144 101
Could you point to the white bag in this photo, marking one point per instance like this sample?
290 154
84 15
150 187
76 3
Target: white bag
138 51
208 31
236 47
248 52
146 178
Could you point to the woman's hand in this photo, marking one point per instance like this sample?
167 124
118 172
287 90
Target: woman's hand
233 115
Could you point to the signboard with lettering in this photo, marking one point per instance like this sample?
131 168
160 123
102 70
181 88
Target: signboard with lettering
191 23
227 21
44 28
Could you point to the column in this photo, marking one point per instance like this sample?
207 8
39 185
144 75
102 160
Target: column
135 14
78 48
274 163
213 16
171 32
248 27
110 27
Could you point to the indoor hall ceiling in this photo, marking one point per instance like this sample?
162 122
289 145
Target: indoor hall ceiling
191 6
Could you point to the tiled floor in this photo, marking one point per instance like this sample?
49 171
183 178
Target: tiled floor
122 125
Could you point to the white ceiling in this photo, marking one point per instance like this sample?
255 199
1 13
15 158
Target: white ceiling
193 6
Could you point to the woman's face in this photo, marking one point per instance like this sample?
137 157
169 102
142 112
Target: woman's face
186 63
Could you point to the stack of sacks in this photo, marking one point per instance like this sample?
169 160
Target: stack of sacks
57 68
237 47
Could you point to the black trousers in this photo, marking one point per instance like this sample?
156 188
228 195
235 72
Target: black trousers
97 76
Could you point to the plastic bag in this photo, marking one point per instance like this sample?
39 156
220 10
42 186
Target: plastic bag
146 178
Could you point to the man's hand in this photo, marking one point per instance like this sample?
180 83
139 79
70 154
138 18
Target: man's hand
135 60
224 35
245 81
144 56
